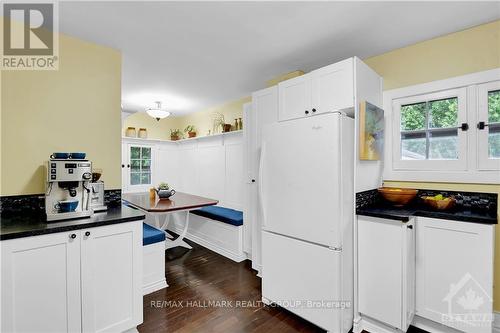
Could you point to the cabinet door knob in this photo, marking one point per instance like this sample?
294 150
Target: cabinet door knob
128 165
313 110
306 112
409 226
72 236
87 233
123 165
481 125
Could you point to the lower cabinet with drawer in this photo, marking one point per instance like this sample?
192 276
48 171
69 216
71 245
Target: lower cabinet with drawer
87 280
386 271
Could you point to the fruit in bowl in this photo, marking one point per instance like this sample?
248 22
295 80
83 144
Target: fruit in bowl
439 202
398 197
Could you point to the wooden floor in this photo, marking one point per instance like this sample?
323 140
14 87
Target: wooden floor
199 276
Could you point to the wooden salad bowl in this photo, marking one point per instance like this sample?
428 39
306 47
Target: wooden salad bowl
398 197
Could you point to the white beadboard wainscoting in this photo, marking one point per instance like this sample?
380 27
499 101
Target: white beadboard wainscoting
212 167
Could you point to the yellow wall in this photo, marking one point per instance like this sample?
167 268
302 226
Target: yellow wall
202 120
472 50
76 108
156 129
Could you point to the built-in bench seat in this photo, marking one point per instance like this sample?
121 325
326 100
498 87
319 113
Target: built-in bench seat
223 214
217 228
153 271
151 235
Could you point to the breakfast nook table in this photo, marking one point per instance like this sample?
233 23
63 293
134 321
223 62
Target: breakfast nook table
174 206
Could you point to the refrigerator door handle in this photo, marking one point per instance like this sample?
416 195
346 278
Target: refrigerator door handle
261 182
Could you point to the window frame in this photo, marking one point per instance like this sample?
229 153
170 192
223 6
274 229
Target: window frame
484 162
472 175
431 165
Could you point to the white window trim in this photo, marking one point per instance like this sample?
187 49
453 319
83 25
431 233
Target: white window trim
438 165
472 173
483 160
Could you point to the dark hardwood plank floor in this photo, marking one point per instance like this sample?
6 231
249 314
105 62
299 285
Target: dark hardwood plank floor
199 276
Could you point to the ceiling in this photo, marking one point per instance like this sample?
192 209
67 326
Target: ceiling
193 55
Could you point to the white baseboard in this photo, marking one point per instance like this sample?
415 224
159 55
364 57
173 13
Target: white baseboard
222 238
496 322
152 287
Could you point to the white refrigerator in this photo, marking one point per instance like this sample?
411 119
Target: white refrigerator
306 193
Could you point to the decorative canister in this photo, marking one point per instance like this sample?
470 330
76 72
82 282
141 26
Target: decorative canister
130 132
240 124
143 133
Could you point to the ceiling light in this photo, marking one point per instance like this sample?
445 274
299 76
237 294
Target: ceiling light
157 113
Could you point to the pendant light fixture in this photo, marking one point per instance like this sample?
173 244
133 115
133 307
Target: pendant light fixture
157 112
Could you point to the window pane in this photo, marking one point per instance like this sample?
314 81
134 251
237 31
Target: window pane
494 106
135 152
443 113
146 152
443 145
413 146
135 165
494 141
413 117
145 178
146 165
135 178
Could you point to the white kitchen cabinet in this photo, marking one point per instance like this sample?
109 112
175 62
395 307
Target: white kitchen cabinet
333 87
454 273
386 268
70 282
111 264
295 97
264 111
328 89
41 284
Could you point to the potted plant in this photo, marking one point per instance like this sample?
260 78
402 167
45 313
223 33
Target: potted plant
175 134
164 191
190 130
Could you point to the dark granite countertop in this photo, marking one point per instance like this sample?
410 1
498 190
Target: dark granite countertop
18 226
384 210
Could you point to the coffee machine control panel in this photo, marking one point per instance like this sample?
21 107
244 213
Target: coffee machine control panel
69 170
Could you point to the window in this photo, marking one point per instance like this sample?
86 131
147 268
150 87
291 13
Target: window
488 126
429 134
429 130
140 165
494 124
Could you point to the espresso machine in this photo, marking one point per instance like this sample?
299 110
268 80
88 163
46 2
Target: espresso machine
68 193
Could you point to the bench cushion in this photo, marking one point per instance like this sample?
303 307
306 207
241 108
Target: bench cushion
226 215
151 235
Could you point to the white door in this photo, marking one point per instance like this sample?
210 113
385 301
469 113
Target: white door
333 87
488 127
303 278
300 184
295 98
111 265
264 111
455 273
41 284
250 193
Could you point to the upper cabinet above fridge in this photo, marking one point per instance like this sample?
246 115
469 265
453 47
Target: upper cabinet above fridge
327 89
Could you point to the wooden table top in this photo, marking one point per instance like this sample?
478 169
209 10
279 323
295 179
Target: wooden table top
179 201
